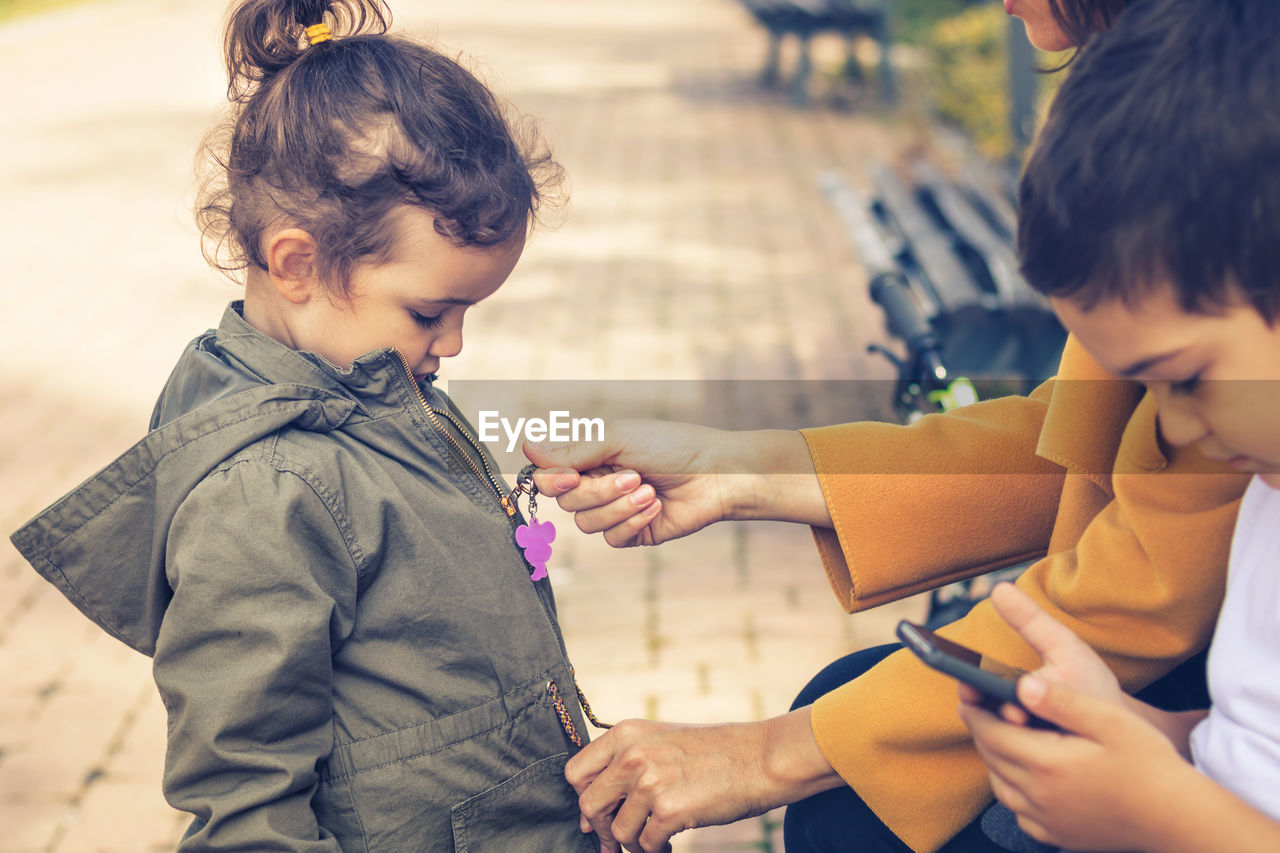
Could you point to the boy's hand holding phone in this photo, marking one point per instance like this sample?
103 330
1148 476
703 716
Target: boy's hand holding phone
1107 780
1067 659
1089 784
990 684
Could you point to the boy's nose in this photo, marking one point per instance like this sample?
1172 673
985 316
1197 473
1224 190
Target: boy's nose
1180 423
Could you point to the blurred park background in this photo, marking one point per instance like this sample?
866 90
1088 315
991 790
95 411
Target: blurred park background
695 245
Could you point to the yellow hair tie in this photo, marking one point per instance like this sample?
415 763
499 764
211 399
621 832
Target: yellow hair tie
317 33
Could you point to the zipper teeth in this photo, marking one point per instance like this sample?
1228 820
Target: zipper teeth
432 415
498 490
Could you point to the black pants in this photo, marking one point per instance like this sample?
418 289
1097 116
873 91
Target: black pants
838 820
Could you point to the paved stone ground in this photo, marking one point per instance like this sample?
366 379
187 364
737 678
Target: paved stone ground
696 247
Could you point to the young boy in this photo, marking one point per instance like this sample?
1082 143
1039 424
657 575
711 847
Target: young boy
1150 215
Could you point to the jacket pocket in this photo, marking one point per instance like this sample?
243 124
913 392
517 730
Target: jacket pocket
534 811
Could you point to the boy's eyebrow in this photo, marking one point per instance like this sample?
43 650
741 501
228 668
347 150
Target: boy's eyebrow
1147 363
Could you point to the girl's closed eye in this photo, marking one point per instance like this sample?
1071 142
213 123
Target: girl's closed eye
425 321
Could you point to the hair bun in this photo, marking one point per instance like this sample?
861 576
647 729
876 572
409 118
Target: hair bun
266 36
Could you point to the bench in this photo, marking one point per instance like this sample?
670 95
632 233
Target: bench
941 264
803 19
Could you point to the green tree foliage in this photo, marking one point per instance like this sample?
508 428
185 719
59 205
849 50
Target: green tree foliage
968 74
914 20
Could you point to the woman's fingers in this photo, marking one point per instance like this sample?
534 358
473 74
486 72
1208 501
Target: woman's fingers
630 821
554 482
633 530
576 491
619 509
573 455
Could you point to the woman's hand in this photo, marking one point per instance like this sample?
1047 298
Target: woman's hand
652 481
642 782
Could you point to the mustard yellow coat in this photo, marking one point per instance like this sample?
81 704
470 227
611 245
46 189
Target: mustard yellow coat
1136 536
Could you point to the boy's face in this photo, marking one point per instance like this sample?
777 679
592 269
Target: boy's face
414 302
1215 377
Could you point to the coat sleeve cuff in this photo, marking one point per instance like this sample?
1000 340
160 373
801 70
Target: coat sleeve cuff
916 507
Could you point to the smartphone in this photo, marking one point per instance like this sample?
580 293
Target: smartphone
998 682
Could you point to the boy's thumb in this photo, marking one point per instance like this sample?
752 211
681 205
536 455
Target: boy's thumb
1070 710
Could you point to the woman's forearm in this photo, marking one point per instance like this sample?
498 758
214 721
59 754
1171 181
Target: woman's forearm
791 759
771 477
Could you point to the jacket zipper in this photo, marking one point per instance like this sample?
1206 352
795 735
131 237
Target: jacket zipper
508 504
433 415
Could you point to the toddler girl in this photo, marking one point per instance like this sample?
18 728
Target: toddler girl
311 542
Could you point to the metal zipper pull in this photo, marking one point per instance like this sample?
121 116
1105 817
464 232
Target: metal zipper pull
524 482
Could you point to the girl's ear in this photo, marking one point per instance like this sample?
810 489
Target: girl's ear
291 263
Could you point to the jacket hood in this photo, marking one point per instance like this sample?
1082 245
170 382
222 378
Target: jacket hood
103 545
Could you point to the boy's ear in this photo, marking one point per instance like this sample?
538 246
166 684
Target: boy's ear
291 263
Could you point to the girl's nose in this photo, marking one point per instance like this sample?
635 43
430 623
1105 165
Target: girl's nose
447 344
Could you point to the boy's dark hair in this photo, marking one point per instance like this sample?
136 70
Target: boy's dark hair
331 137
1160 162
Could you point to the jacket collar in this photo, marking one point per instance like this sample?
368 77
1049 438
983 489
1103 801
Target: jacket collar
1087 417
373 375
236 356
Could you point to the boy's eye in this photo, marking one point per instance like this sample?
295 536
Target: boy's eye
1185 386
426 322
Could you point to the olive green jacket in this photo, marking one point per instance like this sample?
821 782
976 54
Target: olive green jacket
345 635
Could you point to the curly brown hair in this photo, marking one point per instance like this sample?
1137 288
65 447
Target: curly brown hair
332 137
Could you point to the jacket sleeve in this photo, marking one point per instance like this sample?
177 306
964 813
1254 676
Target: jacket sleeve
263 593
1142 586
951 496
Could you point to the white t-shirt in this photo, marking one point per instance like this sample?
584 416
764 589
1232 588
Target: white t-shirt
1238 744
